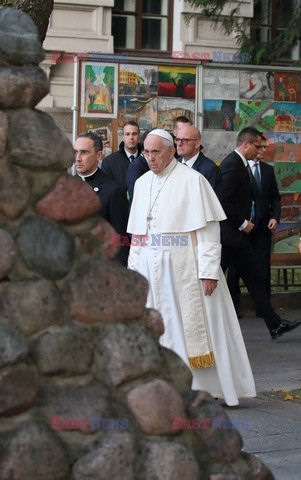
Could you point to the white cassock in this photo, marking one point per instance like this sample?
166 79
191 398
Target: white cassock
180 244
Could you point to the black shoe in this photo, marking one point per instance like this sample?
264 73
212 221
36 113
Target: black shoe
283 327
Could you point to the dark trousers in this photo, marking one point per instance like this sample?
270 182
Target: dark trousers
244 260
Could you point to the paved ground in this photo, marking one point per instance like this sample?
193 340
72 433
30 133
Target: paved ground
274 432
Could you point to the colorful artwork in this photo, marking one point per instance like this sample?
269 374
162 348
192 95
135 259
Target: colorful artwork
291 207
171 108
256 114
288 176
103 128
287 87
256 85
140 109
287 117
286 238
220 114
287 147
269 153
176 82
99 90
221 83
138 80
217 145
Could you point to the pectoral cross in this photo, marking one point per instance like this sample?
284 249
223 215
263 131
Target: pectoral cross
149 219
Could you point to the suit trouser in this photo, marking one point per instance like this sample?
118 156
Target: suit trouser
245 261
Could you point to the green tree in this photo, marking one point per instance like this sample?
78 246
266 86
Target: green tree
38 10
261 53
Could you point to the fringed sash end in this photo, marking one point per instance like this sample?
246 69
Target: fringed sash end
201 361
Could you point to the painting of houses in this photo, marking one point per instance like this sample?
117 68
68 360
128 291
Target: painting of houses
287 147
138 80
287 117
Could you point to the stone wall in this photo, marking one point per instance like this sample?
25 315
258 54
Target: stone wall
85 389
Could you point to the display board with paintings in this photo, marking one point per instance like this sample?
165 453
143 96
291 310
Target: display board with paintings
271 102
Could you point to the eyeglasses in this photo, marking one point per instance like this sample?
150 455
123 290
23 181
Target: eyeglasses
185 140
259 147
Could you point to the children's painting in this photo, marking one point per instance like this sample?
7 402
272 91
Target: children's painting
176 82
269 153
256 114
286 238
103 128
221 83
287 117
290 207
288 87
220 114
171 108
256 85
217 145
287 147
138 80
140 109
99 90
288 176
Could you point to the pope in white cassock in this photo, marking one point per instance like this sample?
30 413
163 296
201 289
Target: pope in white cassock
174 222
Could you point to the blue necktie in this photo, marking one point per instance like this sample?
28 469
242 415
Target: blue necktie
257 176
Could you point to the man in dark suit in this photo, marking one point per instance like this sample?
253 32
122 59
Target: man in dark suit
267 216
117 164
188 142
237 249
114 205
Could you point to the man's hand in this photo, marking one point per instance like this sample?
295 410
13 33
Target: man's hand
272 225
249 227
208 285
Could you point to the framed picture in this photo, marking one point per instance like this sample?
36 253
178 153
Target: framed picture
99 90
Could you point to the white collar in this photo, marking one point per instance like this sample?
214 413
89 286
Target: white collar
242 157
87 176
191 161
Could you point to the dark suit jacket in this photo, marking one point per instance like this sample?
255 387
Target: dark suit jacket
114 205
137 168
237 198
117 164
211 171
267 199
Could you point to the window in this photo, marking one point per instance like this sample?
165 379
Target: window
142 25
271 17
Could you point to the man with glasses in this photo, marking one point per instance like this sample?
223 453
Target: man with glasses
266 218
189 147
238 197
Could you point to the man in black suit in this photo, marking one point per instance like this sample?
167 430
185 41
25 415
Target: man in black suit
237 249
114 205
267 216
117 164
188 142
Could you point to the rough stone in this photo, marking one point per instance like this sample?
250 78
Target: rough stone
258 471
112 460
14 192
33 451
103 233
175 371
66 402
46 248
70 200
129 352
3 131
220 442
22 86
106 293
13 346
8 253
170 461
154 405
224 476
35 142
18 388
19 41
65 349
38 305
154 322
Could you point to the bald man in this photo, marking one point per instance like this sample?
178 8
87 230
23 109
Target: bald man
188 141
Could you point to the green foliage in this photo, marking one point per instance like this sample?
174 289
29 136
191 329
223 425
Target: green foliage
261 53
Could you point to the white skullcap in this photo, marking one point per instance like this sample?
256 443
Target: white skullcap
162 133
